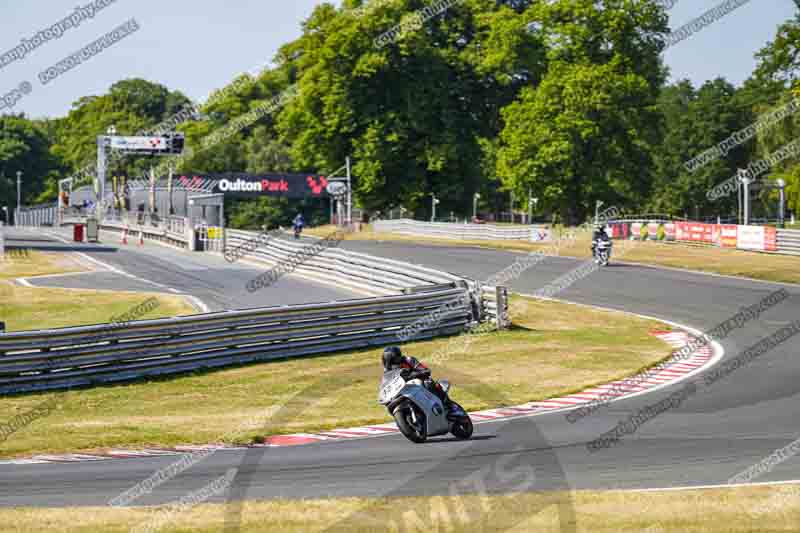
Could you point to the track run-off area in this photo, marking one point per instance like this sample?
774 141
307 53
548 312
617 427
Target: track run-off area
711 436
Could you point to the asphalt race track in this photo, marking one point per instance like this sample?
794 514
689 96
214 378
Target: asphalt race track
217 283
712 436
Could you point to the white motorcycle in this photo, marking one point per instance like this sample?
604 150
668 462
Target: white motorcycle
602 252
419 413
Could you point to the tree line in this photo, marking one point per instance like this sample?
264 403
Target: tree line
565 101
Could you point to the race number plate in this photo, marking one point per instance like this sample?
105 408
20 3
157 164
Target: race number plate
391 388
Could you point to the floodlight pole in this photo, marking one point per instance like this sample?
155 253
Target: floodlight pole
102 141
349 194
746 190
19 195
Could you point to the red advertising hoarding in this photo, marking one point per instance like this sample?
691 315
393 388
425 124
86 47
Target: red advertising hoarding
694 232
619 230
770 239
728 235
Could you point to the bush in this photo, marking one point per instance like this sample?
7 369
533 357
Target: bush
662 233
643 233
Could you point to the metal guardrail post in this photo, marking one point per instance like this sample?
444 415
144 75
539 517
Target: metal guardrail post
503 320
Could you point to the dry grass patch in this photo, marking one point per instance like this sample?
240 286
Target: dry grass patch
554 348
735 510
26 308
769 267
33 263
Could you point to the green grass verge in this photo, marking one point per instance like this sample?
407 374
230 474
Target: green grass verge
26 308
735 510
554 348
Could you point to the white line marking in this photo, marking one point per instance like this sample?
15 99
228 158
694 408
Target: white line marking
195 300
704 487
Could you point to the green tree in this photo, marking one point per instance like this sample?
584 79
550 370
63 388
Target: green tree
131 106
774 84
24 146
583 134
693 122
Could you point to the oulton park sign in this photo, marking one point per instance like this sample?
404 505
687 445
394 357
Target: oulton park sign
256 185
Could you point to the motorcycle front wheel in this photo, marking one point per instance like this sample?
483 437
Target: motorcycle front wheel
414 432
462 429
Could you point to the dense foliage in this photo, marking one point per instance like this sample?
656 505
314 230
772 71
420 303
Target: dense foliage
565 100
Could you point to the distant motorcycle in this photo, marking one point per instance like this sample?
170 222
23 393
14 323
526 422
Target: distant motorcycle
601 252
419 413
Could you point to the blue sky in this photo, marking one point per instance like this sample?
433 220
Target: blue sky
197 46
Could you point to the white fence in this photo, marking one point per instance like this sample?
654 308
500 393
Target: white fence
36 216
464 231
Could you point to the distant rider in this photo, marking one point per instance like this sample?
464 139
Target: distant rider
599 234
412 368
298 223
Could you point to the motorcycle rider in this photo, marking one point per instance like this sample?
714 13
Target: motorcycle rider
599 235
298 223
413 368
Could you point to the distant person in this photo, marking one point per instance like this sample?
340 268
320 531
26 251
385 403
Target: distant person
298 223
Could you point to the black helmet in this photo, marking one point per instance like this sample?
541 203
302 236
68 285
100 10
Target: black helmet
391 356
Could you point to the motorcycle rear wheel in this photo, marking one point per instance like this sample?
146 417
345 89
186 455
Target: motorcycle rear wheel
416 433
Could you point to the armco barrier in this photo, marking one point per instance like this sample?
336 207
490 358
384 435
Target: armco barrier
92 355
83 356
373 274
462 231
355 270
789 241
495 305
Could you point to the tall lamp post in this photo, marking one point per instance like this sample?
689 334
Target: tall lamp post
597 207
741 174
531 203
475 198
434 201
19 195
746 199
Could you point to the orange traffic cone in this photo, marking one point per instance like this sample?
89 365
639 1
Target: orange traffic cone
141 238
125 236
